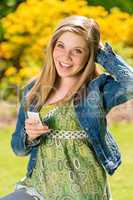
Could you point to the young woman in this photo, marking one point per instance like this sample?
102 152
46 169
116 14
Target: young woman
71 150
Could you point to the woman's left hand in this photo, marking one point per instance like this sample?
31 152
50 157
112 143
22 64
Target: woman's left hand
101 45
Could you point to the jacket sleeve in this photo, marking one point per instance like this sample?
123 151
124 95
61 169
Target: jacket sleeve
19 142
119 86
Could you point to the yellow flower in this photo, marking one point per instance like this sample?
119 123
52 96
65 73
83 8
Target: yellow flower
10 71
28 29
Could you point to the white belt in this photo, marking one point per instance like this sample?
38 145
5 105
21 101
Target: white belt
64 134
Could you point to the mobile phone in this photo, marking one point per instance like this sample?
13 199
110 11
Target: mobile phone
34 115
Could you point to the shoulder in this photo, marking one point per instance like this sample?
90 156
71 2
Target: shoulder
29 86
25 90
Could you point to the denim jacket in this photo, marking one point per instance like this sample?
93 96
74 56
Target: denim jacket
104 92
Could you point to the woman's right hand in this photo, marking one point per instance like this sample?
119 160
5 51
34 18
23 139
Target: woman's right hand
34 129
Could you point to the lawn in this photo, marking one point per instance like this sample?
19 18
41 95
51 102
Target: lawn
12 168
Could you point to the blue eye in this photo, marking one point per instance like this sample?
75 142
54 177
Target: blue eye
77 51
60 45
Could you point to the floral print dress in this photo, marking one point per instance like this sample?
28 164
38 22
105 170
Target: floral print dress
66 167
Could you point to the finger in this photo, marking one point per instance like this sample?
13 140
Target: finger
36 134
40 131
32 125
31 120
36 126
101 45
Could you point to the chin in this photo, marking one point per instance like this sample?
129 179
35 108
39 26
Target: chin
62 75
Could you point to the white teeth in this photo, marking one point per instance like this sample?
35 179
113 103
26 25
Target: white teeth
65 65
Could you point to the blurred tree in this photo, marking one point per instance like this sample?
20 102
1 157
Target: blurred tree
26 32
126 6
7 6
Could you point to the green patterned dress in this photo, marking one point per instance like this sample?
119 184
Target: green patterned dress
66 167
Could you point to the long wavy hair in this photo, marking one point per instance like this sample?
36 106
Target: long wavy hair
44 83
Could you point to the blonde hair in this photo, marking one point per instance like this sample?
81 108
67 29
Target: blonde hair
89 30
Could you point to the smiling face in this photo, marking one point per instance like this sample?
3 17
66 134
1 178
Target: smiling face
70 54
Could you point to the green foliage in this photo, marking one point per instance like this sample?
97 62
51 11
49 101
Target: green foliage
7 6
1 32
126 5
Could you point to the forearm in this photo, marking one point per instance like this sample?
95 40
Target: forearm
18 143
19 140
115 65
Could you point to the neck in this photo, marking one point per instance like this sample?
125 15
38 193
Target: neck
66 83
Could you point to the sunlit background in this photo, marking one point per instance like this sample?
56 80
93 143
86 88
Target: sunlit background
25 28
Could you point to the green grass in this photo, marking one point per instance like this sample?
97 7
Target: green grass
122 180
13 168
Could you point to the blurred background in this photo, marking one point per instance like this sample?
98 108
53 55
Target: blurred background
25 28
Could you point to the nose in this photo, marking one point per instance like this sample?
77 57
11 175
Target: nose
66 56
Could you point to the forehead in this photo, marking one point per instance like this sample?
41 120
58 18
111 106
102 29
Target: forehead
72 39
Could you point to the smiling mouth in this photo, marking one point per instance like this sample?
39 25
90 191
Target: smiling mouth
64 65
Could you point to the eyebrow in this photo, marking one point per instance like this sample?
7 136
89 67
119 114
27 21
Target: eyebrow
74 47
